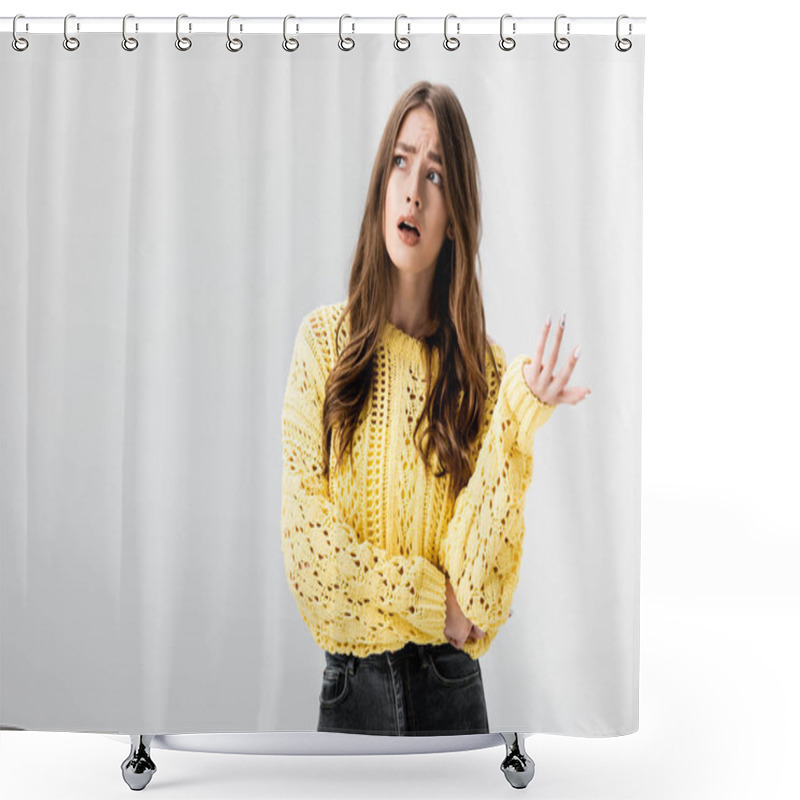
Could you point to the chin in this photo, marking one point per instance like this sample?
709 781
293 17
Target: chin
407 265
405 260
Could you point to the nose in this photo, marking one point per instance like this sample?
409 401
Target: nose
412 189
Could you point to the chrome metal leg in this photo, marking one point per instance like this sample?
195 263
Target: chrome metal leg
138 768
517 766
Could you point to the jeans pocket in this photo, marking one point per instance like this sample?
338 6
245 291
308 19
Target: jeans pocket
335 686
451 666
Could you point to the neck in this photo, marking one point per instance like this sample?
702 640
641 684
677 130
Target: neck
410 303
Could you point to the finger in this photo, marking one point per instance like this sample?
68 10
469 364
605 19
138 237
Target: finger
560 380
539 352
573 394
456 641
551 363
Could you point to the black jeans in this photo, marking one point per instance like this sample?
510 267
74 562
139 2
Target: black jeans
420 690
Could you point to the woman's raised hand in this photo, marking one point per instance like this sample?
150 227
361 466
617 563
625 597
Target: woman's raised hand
539 376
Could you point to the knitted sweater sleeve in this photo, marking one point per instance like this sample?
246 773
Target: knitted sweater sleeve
482 545
350 589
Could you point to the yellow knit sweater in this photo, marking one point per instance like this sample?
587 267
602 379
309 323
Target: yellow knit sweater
368 549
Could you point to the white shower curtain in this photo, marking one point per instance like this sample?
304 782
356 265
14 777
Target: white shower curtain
168 219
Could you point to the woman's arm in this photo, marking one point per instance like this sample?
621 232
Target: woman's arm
351 589
482 546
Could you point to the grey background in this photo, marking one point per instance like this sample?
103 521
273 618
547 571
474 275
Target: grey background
168 218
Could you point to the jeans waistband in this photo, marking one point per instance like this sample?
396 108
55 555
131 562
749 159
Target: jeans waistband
409 650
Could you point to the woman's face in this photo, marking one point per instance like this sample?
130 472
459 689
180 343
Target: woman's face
415 189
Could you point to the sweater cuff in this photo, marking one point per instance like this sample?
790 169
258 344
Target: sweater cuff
430 606
527 409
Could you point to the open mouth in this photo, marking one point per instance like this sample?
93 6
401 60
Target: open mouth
407 226
408 234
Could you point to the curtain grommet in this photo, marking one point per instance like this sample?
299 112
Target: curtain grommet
560 40
451 42
397 38
289 44
346 43
507 42
70 43
19 43
183 43
233 44
129 43
624 44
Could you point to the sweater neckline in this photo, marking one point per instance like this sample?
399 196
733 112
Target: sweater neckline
399 340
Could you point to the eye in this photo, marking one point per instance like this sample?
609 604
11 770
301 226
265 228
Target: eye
439 180
395 159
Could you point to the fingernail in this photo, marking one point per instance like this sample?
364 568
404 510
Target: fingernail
577 352
547 321
563 320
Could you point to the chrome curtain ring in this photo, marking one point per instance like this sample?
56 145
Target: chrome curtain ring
451 42
406 43
181 42
623 45
70 42
18 42
560 40
128 42
234 45
507 42
346 43
290 45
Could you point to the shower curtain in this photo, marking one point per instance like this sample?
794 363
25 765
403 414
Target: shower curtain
170 219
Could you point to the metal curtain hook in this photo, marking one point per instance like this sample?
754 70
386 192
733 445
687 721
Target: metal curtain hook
620 44
346 43
506 42
128 42
290 45
17 42
560 40
70 42
234 45
451 42
182 42
397 39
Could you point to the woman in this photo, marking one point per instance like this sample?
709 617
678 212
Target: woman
403 483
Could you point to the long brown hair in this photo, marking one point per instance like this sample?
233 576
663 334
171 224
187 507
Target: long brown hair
454 406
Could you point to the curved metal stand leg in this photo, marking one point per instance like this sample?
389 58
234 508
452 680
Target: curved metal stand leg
138 768
517 766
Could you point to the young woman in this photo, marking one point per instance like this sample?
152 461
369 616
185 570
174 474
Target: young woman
408 447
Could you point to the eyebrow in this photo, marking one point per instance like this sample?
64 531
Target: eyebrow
409 148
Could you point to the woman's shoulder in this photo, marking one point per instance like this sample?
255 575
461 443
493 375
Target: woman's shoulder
324 317
319 327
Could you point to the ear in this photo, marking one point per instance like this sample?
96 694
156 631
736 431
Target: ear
451 232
